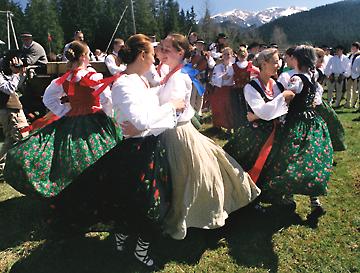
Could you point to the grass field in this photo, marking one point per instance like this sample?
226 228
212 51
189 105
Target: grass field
275 242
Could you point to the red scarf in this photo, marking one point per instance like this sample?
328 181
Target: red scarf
172 72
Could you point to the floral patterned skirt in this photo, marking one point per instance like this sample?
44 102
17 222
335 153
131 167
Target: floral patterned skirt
136 180
336 130
49 160
301 159
245 145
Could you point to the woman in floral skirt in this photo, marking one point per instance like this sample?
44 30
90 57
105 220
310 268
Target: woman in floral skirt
47 163
302 162
136 170
264 98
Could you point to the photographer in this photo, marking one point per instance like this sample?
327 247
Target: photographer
12 118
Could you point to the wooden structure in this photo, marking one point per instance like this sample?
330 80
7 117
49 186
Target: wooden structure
58 68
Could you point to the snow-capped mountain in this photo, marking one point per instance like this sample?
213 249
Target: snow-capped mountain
248 18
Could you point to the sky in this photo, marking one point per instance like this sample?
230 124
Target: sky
218 6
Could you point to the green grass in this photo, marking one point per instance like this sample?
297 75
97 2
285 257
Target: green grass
248 243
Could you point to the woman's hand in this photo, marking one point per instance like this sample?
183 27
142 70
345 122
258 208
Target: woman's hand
179 105
251 117
129 130
288 95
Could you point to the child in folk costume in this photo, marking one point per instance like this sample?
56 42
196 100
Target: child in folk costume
243 71
302 162
208 184
222 79
136 169
46 163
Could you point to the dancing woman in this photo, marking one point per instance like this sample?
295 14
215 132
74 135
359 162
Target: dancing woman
303 162
265 99
50 159
136 169
208 184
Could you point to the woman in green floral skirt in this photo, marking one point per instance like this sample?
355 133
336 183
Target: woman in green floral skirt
264 98
48 161
302 160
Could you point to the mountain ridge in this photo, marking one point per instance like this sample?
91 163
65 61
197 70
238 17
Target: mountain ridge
247 18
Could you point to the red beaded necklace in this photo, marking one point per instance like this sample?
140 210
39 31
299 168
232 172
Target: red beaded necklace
269 92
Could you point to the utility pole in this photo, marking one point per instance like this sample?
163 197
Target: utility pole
116 28
9 23
133 15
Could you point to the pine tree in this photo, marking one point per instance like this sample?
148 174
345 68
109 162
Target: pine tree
41 19
145 20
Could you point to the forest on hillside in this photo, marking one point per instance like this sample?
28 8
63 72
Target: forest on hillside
53 22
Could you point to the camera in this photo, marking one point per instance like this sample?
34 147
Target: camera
22 64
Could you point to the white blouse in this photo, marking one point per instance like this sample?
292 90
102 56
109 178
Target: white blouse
133 101
296 85
266 110
54 92
285 77
179 86
153 76
221 70
112 66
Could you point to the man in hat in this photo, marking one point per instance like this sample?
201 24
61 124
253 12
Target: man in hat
253 50
337 69
33 52
216 47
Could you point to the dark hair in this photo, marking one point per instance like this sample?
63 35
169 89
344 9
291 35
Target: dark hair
340 47
6 61
75 51
306 57
252 45
290 51
180 42
356 44
133 47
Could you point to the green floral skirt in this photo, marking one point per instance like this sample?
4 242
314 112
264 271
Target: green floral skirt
246 142
336 130
136 181
301 159
50 159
